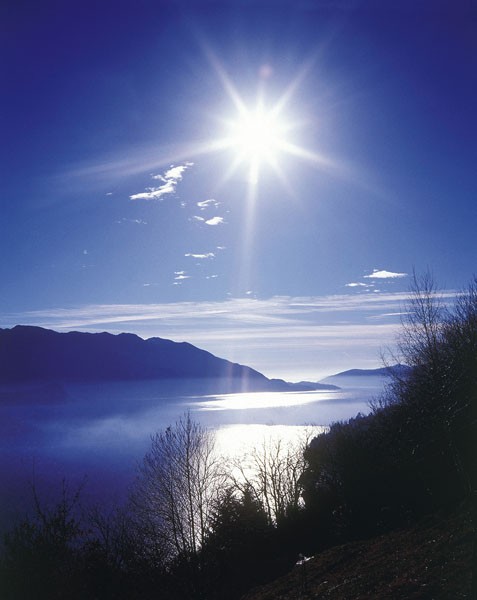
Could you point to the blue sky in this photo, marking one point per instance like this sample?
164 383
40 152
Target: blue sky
126 207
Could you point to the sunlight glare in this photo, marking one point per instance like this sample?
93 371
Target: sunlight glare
257 136
255 400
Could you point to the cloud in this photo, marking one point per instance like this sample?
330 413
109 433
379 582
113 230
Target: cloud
176 172
156 193
173 173
170 178
196 218
358 284
180 276
215 221
207 203
137 221
377 274
206 255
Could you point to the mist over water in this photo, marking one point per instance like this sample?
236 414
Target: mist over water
97 433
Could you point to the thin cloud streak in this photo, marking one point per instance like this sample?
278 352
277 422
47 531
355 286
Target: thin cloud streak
359 305
208 203
201 256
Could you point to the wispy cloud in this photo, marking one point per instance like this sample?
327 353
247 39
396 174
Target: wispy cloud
383 274
180 275
215 221
170 178
174 173
155 193
135 221
206 255
197 218
358 284
302 307
208 203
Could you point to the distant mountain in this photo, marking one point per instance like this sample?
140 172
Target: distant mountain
33 354
399 369
308 386
366 378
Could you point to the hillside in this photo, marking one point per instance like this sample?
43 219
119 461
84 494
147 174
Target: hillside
430 560
34 354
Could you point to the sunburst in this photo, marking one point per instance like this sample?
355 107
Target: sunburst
257 136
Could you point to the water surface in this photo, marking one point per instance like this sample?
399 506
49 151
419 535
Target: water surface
101 432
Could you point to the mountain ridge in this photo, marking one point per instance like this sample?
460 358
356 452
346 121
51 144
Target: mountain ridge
30 353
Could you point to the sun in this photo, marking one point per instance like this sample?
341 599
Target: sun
263 134
256 136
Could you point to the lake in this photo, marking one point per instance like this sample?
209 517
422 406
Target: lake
101 431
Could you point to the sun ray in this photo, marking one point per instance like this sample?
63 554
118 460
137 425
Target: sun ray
314 157
227 83
294 85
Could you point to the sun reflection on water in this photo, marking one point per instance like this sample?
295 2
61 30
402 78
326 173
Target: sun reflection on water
255 400
234 441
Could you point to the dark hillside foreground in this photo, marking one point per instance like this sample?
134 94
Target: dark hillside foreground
403 478
430 560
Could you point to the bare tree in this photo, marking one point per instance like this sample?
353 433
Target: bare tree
272 472
423 324
177 484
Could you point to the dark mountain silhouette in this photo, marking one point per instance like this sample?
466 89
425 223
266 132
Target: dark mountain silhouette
34 354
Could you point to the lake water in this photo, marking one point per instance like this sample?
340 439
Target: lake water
100 432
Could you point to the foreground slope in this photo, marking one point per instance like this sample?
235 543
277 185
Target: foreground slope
432 560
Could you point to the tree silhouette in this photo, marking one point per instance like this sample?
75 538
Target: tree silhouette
177 484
